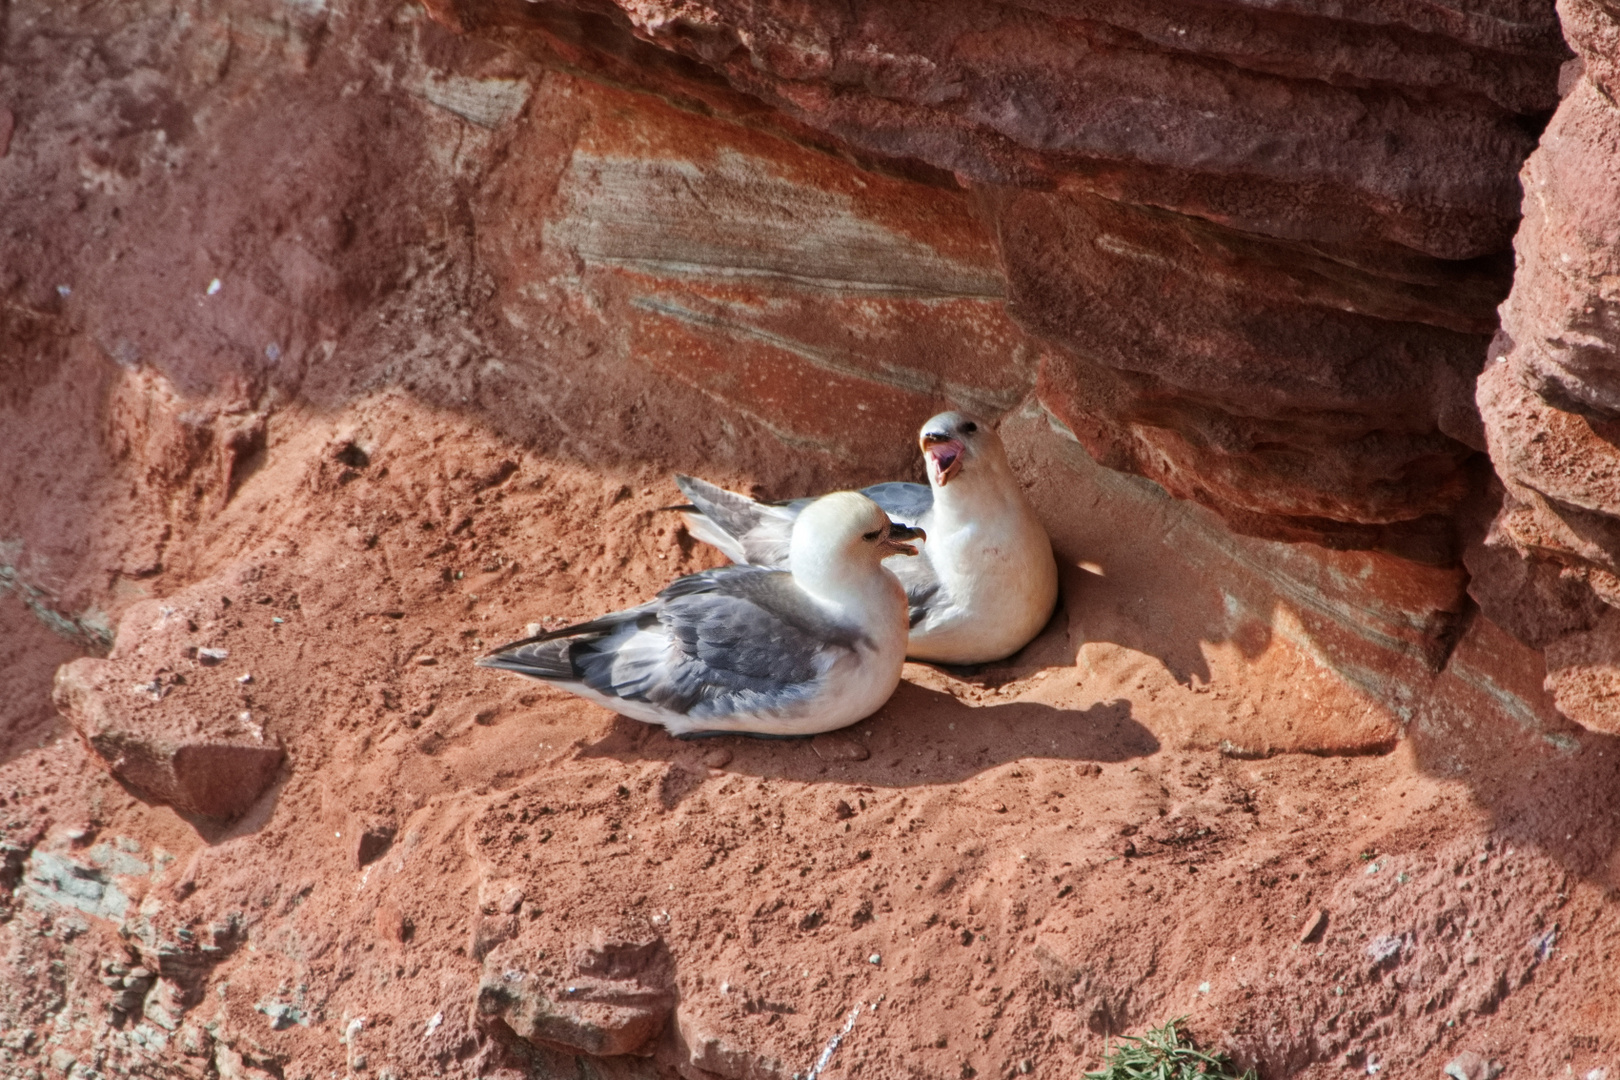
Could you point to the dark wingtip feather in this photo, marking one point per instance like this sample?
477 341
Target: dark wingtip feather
518 644
539 667
594 626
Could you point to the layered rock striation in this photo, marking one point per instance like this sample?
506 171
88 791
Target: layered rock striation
343 347
1262 244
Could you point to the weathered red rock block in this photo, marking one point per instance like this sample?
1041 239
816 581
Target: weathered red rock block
1550 397
1310 124
1583 672
1562 320
1269 270
1592 28
617 1000
1560 473
1535 599
216 769
154 728
1278 479
1300 398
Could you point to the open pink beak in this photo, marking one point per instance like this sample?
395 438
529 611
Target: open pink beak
944 458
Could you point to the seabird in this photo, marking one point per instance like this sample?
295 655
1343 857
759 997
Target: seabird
986 581
813 647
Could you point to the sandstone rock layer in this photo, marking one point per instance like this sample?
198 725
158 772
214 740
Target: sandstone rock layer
1551 395
1261 246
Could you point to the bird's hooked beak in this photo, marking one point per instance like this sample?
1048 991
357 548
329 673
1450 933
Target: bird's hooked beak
943 455
898 534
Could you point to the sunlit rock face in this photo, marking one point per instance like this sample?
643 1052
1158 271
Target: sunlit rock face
1261 244
834 309
1550 568
340 344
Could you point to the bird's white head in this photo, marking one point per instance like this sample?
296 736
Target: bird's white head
844 535
958 446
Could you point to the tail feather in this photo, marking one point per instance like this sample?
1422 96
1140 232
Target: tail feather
734 513
546 656
704 528
539 659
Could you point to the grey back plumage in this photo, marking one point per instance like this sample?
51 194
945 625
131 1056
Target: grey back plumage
903 502
735 639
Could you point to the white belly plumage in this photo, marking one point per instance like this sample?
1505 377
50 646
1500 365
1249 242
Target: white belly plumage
995 595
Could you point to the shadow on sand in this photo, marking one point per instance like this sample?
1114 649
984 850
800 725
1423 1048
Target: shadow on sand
921 737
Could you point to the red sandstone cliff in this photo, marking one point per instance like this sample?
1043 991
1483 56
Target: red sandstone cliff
1547 570
338 343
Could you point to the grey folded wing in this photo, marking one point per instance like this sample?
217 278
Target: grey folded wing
911 504
739 639
905 503
746 530
760 533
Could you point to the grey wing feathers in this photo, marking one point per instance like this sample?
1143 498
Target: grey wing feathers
746 530
759 533
715 643
772 592
905 503
922 585
734 513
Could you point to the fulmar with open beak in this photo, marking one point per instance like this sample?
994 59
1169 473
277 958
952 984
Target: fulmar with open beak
813 647
986 581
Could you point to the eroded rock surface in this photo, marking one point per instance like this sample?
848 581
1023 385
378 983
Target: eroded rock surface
165 724
1551 395
1362 126
1262 246
612 997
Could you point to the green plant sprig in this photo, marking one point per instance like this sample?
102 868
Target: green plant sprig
1166 1053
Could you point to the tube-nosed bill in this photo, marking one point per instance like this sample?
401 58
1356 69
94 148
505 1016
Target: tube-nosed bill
899 534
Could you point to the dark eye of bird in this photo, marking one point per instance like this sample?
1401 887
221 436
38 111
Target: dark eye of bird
873 535
970 427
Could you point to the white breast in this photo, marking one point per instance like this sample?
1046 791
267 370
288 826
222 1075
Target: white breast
998 583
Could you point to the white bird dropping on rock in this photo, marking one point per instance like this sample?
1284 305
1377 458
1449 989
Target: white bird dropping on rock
986 581
746 648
